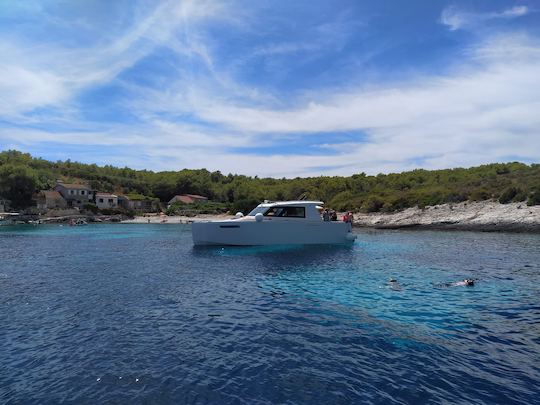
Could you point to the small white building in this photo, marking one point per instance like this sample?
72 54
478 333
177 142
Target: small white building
105 200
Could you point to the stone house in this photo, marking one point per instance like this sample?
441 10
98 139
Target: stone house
76 195
138 203
106 200
50 200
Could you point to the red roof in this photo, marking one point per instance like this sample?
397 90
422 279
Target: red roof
187 198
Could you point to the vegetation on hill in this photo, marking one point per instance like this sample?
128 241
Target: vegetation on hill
22 175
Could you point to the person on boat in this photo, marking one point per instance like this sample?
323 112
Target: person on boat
326 215
333 215
348 218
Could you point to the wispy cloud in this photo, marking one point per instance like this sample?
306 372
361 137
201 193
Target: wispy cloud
456 18
173 96
38 76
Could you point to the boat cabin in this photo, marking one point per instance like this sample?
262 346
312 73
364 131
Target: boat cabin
308 210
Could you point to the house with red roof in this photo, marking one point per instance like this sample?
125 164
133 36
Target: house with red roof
187 199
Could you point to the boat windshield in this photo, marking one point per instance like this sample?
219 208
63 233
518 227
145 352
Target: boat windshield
256 210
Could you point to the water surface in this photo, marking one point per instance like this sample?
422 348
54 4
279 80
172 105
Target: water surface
117 313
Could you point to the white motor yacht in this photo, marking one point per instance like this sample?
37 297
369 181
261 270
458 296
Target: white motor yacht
275 223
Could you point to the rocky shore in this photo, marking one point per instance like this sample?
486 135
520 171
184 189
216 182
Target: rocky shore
475 216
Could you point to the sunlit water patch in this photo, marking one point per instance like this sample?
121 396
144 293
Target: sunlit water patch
117 313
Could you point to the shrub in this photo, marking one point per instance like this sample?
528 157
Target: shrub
91 207
396 204
373 204
534 198
479 194
520 196
507 195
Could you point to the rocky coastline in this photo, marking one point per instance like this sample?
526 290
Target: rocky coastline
487 216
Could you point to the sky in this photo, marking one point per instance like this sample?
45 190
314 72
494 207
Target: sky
272 88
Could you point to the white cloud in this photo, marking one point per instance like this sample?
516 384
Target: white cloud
457 19
485 109
48 75
515 11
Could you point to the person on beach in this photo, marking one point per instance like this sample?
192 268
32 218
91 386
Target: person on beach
333 215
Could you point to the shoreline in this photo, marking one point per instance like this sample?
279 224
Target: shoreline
484 216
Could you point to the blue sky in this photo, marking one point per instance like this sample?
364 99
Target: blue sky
272 88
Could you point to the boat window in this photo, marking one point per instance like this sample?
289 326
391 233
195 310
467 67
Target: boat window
256 210
289 212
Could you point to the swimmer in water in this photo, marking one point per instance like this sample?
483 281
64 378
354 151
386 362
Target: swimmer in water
393 284
468 282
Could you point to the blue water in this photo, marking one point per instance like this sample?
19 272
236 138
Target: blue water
118 313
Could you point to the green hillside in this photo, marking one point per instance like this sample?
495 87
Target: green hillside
22 175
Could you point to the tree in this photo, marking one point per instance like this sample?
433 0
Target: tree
18 184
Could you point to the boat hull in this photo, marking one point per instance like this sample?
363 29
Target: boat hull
253 233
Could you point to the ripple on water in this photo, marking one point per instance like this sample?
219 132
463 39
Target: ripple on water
117 313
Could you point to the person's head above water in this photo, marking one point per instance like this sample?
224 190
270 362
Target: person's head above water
468 281
392 280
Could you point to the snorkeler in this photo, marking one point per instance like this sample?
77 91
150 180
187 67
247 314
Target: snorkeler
393 284
468 282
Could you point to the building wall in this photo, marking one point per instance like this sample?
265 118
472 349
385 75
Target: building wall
75 197
106 201
45 202
142 205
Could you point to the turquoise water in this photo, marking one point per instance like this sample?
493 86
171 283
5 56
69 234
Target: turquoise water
116 313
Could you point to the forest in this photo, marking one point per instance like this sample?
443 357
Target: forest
22 176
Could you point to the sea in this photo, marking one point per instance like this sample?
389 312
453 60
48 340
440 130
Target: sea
125 313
